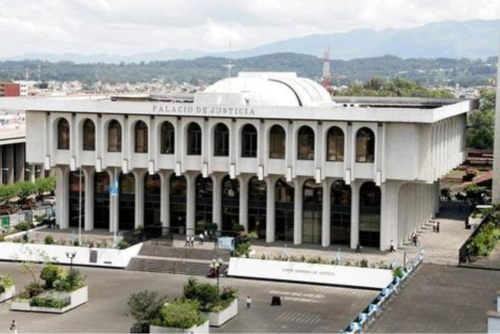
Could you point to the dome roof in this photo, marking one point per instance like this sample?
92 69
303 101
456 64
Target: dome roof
266 89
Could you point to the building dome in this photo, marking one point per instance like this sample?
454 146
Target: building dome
266 89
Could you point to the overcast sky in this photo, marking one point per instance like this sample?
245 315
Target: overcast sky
137 26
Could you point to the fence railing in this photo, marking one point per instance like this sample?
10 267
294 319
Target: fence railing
28 216
464 253
365 318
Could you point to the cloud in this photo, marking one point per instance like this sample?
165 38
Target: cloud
131 26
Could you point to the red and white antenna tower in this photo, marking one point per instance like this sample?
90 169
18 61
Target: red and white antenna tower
326 69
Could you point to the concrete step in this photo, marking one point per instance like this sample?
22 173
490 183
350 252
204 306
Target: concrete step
169 266
149 249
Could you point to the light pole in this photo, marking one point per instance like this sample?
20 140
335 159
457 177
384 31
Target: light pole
71 256
216 266
80 175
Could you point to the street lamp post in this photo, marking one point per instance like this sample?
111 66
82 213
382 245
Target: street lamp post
71 256
216 266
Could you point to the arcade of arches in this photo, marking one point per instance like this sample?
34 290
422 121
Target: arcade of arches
229 193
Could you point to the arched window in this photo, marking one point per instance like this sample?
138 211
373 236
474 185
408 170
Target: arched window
221 140
167 138
335 144
340 217
249 141
141 137
365 145
257 206
194 139
277 142
88 135
63 134
284 210
114 136
369 215
305 148
312 206
204 201
230 203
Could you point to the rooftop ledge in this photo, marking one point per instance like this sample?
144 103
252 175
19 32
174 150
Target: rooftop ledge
361 109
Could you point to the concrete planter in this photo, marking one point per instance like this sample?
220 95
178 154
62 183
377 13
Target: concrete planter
203 328
217 319
8 294
76 298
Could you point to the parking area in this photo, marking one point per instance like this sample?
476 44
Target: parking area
306 308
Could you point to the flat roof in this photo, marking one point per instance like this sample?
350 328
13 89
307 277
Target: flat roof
360 109
12 136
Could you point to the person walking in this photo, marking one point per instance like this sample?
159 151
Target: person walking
187 240
434 227
438 226
248 302
201 236
13 327
393 248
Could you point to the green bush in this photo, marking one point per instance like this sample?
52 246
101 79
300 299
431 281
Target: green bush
363 263
238 228
49 302
205 293
123 244
49 240
180 314
145 306
485 241
23 226
72 281
52 273
31 290
6 282
398 272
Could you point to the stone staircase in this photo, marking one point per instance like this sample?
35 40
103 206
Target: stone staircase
175 260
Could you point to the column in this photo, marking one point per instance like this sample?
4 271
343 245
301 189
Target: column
114 201
270 209
354 214
139 197
62 195
389 214
32 173
326 211
297 221
10 164
165 197
2 181
244 200
89 200
190 203
21 161
217 200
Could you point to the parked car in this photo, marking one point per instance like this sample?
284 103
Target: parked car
49 200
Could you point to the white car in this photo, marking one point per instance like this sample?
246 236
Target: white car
49 200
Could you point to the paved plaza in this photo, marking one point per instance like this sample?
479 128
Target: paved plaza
441 299
306 308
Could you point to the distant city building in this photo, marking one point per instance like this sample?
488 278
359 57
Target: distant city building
269 151
10 89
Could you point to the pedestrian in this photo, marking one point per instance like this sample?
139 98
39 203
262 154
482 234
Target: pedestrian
202 236
414 238
187 240
417 240
393 248
358 247
248 302
13 327
434 227
192 240
438 227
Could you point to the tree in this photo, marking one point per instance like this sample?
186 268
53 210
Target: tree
24 189
45 185
481 123
145 306
475 193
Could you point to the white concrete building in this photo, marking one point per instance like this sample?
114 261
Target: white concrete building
269 151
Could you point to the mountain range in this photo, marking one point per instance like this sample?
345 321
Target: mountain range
448 39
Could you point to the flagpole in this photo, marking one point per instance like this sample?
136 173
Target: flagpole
115 195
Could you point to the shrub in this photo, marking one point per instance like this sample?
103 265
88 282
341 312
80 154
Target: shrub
180 314
52 273
398 272
205 293
363 263
238 228
23 226
485 241
74 280
123 244
145 306
49 240
6 282
49 302
31 290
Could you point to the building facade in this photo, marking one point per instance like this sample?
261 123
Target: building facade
268 151
10 89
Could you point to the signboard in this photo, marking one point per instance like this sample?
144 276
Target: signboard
368 278
28 216
226 243
5 222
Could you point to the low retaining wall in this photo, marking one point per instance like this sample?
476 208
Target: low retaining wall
367 278
204 328
76 298
8 294
102 257
217 319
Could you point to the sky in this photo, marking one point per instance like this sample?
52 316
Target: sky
126 27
